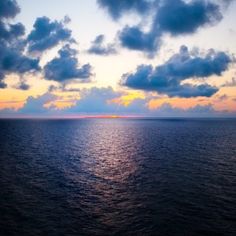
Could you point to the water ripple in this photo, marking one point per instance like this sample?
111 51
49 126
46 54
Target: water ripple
118 177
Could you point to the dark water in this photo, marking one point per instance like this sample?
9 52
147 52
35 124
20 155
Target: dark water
118 177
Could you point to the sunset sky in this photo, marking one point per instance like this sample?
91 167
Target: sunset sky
162 58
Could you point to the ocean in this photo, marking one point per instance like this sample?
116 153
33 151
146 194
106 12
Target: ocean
118 177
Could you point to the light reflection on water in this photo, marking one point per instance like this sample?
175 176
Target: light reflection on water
108 174
115 161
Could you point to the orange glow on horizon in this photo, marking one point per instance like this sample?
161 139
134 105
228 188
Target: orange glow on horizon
182 103
126 100
105 116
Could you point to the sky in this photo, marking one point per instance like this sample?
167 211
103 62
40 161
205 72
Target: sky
74 58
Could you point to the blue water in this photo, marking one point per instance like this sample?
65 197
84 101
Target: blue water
118 177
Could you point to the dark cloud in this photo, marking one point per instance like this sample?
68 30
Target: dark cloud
10 32
180 17
8 9
188 90
186 65
62 88
66 67
14 48
2 85
99 48
12 60
134 39
12 45
169 77
177 17
47 34
23 86
117 8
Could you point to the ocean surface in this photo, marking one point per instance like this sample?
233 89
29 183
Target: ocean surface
118 177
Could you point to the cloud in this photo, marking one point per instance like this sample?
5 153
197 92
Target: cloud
177 17
226 3
47 34
2 84
133 38
8 8
101 101
117 8
22 86
166 110
12 57
231 83
62 88
16 48
92 101
97 101
168 78
99 48
12 60
66 67
223 97
35 105
180 17
9 32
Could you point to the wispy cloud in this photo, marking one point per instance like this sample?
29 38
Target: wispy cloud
99 48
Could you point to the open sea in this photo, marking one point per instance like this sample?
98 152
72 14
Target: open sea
118 177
